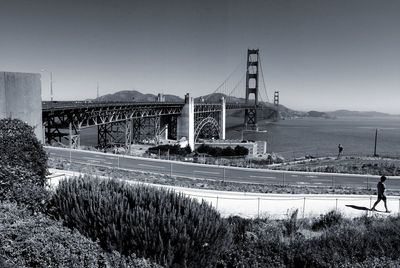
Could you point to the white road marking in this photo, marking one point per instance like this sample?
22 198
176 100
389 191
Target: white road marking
294 175
108 163
262 177
94 161
146 165
208 172
321 180
90 158
311 176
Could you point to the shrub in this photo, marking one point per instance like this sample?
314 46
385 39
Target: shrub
257 243
23 166
327 220
291 225
172 149
166 227
37 241
227 151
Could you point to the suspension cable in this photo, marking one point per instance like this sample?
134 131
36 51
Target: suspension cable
262 75
223 84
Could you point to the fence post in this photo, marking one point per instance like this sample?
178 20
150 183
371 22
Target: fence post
304 205
216 207
367 183
258 207
336 203
118 160
223 170
170 170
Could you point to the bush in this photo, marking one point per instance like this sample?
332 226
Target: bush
327 220
37 241
166 227
227 151
23 164
172 149
257 243
291 225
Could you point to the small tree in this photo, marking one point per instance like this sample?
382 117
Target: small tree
23 161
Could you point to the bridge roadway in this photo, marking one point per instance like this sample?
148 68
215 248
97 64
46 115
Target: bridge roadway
221 173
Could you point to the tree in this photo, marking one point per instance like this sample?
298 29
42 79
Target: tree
23 161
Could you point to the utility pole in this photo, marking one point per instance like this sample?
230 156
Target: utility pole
51 86
97 90
376 138
51 83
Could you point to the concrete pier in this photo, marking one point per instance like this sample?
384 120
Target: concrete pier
222 119
185 122
21 98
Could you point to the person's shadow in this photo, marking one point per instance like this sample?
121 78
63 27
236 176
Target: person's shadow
357 207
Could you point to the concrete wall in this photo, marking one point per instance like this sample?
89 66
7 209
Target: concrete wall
21 98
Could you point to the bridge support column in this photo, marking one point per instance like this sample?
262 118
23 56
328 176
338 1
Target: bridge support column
222 119
112 134
186 121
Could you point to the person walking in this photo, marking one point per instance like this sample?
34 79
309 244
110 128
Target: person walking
381 194
340 147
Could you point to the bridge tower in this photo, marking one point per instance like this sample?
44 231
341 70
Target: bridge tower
250 116
276 105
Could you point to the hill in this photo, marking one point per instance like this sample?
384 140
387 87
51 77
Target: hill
344 113
136 96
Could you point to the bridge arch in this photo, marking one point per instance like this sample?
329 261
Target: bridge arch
208 127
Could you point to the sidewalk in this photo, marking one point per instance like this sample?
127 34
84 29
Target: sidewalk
276 206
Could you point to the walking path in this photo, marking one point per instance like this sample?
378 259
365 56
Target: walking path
276 206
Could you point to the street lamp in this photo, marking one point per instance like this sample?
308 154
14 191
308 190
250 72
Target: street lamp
51 83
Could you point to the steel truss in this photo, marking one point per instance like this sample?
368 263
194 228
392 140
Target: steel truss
144 120
207 125
56 118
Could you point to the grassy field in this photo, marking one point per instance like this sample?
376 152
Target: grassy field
349 164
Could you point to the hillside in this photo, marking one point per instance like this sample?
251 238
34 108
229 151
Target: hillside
344 113
136 96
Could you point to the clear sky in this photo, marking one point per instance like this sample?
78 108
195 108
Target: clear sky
320 55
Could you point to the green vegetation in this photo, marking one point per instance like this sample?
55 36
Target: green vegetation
166 227
22 161
349 164
171 149
227 151
362 242
28 237
37 241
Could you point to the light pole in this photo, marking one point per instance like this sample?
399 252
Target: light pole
51 83
376 138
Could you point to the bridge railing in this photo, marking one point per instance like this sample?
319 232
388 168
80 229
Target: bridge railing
89 104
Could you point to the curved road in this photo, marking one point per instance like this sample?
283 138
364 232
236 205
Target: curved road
223 173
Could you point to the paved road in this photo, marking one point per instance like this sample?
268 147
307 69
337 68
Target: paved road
232 174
